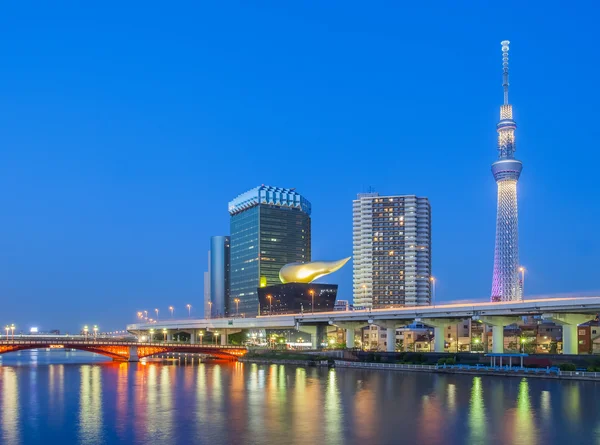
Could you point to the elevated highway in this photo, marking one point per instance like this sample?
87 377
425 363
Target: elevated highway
568 312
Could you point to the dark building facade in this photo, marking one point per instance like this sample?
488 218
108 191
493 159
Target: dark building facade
270 227
219 275
295 298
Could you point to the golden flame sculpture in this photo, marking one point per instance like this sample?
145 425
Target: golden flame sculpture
308 272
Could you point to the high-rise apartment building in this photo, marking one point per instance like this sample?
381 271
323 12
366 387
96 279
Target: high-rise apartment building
506 285
392 251
219 271
270 227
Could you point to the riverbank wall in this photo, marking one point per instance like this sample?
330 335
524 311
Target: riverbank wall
474 371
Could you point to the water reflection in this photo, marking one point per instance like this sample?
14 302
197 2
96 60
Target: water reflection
90 404
224 403
10 406
477 418
524 425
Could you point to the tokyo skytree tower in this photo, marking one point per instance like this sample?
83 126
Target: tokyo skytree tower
505 283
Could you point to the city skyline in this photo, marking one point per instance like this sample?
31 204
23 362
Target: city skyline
119 154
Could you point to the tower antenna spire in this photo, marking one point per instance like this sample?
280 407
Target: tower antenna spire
505 44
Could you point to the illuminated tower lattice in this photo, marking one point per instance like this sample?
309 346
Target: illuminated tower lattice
506 170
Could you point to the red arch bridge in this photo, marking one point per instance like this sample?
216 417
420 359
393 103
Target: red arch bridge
123 350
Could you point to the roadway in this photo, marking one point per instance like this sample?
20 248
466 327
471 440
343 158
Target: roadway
568 312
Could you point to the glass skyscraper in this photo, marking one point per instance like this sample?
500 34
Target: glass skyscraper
270 227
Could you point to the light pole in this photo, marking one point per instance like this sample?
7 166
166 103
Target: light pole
95 332
156 310
139 315
146 315
522 271
523 345
432 279
172 309
270 297
216 336
312 294
189 308
210 309
151 334
164 335
12 328
85 332
237 307
7 329
201 335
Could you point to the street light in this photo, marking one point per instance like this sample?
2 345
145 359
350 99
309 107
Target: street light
171 308
95 331
523 340
12 328
312 294
432 279
156 310
146 315
85 332
237 306
189 308
7 329
270 297
139 315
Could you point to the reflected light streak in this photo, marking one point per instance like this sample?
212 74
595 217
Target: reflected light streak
477 418
333 422
90 404
10 400
525 429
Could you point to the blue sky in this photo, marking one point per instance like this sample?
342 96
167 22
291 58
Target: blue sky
126 127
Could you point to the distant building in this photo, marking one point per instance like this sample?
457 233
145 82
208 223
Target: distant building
206 304
219 271
270 227
296 298
392 251
342 305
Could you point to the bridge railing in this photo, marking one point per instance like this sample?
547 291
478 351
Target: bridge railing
103 342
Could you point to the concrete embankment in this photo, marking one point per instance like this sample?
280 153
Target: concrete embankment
481 371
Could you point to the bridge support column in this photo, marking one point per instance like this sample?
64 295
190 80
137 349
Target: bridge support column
390 333
350 329
439 326
318 334
169 336
193 335
498 324
133 354
569 323
224 335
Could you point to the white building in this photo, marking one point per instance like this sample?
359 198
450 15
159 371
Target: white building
392 251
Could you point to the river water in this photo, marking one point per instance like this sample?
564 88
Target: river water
78 398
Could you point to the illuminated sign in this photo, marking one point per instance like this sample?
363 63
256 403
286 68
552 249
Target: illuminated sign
56 346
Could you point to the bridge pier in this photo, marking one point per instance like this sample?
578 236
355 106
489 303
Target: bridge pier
133 354
390 333
318 333
498 324
350 329
439 326
569 323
